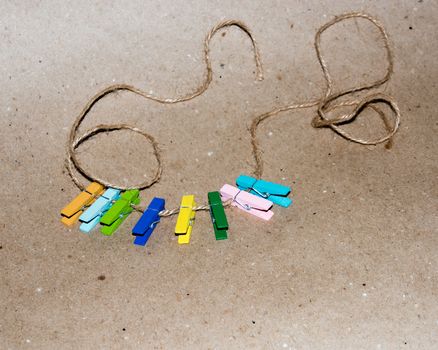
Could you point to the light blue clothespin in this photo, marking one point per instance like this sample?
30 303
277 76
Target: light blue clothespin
91 217
271 191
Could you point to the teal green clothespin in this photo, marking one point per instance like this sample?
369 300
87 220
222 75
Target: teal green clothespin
217 212
271 191
120 210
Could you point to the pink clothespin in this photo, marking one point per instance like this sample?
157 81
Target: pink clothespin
248 202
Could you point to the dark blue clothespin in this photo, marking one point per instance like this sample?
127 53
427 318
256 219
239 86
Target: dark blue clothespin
150 218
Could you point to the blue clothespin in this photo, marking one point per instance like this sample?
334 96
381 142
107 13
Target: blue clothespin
91 217
271 191
150 218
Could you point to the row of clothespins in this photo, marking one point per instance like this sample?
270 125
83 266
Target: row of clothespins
112 207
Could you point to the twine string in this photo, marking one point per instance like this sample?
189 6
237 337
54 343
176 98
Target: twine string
74 140
75 163
170 212
327 102
325 105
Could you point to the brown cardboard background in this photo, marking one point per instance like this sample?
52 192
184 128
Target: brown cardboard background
352 265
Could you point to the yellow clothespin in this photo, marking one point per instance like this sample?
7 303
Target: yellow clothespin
70 214
186 217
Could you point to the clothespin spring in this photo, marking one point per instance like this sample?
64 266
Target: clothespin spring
154 223
243 205
261 194
123 214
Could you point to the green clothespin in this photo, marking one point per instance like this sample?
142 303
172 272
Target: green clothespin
217 212
120 210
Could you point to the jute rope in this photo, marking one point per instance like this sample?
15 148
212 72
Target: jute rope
170 212
74 141
325 104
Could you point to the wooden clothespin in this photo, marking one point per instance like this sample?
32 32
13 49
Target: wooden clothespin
186 217
91 217
150 218
271 191
247 202
217 213
120 210
71 212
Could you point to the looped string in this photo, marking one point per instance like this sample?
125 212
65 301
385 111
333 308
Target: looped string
330 97
74 161
327 102
75 141
325 105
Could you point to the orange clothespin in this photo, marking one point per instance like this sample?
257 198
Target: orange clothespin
71 212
